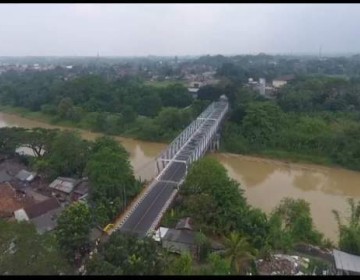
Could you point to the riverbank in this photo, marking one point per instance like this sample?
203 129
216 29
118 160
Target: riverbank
284 156
52 121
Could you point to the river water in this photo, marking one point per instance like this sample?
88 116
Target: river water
265 181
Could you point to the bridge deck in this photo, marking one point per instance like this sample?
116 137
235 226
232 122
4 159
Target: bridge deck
142 218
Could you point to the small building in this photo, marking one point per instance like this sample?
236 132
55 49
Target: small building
80 191
178 241
43 214
193 92
262 85
281 81
62 187
346 264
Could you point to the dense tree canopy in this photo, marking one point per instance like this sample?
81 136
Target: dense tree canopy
25 252
113 184
73 229
127 255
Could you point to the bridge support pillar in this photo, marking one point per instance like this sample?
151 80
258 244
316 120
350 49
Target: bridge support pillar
215 143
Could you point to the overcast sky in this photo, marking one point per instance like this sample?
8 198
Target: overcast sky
177 29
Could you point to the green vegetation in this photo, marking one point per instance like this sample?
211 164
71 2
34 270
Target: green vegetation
112 179
64 153
127 255
25 252
73 229
219 210
238 252
349 240
290 224
303 123
120 107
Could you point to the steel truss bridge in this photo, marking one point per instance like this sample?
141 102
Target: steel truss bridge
172 164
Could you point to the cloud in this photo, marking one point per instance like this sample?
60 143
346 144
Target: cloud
170 29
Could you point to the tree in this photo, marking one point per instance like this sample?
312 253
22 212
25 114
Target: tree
203 246
218 265
125 254
25 252
39 140
238 251
65 108
73 229
261 123
349 238
111 175
209 92
182 265
213 199
10 139
175 95
296 220
67 155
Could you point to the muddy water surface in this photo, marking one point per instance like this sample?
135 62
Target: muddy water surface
266 182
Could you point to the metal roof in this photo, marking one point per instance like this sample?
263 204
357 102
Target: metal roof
346 262
181 236
65 185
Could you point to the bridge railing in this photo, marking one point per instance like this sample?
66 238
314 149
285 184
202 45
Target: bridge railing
168 153
207 138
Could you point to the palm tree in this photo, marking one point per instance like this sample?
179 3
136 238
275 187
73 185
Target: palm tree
238 251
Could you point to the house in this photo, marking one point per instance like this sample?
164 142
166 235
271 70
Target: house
346 264
11 201
43 214
62 187
281 81
81 190
178 241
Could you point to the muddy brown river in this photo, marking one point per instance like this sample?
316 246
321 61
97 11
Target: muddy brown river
265 181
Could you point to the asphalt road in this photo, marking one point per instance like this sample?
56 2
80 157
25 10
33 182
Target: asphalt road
145 214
